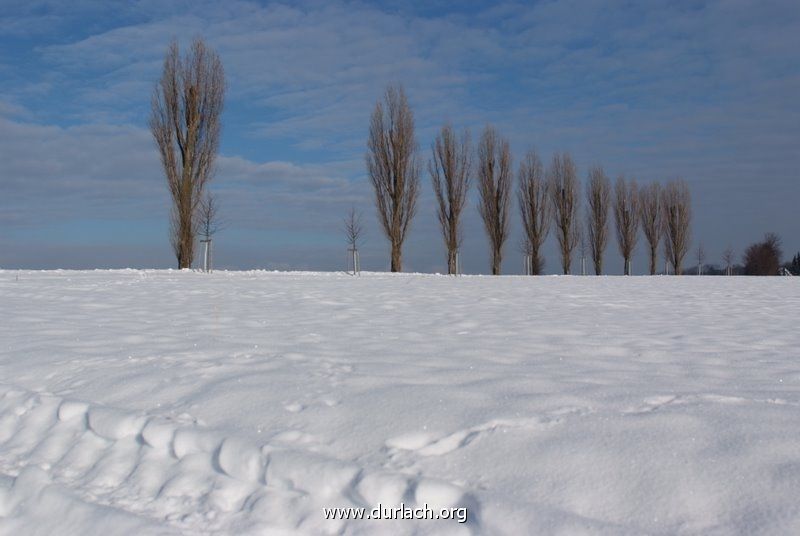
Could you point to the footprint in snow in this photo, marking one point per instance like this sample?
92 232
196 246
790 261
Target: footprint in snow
651 404
427 444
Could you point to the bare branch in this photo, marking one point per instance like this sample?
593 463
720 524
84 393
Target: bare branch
353 228
207 215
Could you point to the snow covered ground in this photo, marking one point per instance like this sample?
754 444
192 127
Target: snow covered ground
162 402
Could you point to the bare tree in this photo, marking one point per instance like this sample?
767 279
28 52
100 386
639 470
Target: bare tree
535 207
450 170
701 258
208 222
727 258
185 122
208 225
598 200
494 186
562 179
652 217
626 215
393 168
353 228
677 210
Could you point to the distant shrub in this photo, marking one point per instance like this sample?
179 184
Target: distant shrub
763 258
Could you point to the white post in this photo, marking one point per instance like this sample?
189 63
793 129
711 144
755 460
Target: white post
351 260
353 256
206 257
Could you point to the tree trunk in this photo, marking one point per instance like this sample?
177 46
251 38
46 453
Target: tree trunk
598 267
653 258
186 247
397 256
537 263
496 262
451 262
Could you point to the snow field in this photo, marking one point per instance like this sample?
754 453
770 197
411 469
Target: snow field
159 402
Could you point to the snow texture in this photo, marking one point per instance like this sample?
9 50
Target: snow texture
163 402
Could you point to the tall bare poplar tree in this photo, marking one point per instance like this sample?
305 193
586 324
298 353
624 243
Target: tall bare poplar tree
626 215
564 189
677 210
185 122
535 207
652 217
494 186
598 200
449 168
393 168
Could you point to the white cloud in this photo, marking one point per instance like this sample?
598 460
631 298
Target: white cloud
653 90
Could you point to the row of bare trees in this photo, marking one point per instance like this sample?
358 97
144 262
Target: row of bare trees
663 214
546 198
185 122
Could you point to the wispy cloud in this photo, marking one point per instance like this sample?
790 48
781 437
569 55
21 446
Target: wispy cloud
704 90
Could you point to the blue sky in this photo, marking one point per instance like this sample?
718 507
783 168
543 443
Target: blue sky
706 91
